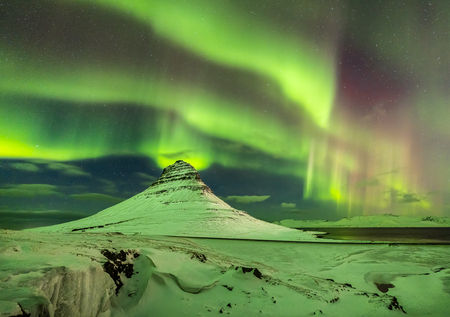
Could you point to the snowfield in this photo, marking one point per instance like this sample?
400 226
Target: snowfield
106 274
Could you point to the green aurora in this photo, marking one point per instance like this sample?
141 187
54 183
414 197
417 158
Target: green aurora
349 97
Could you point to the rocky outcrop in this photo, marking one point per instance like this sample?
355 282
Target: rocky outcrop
119 263
178 178
180 171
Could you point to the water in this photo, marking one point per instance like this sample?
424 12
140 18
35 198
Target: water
395 235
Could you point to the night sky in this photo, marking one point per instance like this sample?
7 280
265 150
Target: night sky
292 109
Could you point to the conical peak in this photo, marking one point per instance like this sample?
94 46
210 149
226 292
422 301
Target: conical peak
178 171
180 167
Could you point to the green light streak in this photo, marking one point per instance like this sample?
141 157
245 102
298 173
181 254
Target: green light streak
216 31
201 110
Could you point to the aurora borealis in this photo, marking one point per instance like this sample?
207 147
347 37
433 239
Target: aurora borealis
302 109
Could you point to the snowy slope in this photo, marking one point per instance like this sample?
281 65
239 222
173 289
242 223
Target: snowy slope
371 221
108 275
179 204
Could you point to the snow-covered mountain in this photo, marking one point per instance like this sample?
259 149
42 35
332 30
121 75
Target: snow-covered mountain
370 221
179 204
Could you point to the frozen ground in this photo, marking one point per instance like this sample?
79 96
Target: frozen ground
85 274
373 221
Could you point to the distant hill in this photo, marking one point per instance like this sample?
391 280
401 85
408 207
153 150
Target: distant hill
384 220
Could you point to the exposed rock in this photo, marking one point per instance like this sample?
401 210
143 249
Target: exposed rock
23 314
118 263
256 272
199 256
180 171
395 305
384 288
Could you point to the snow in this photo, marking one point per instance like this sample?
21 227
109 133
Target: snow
371 221
62 274
178 250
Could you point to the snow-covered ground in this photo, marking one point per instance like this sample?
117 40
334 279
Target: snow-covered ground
86 274
372 221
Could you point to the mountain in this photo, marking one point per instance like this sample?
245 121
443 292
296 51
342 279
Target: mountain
179 204
370 221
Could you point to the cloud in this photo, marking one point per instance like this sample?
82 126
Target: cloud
148 179
28 167
29 190
36 212
246 199
288 205
97 197
145 176
67 169
108 186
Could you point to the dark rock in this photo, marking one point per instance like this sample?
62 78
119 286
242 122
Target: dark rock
256 272
128 270
201 257
115 266
112 270
23 314
438 269
102 226
348 285
384 288
395 305
334 300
